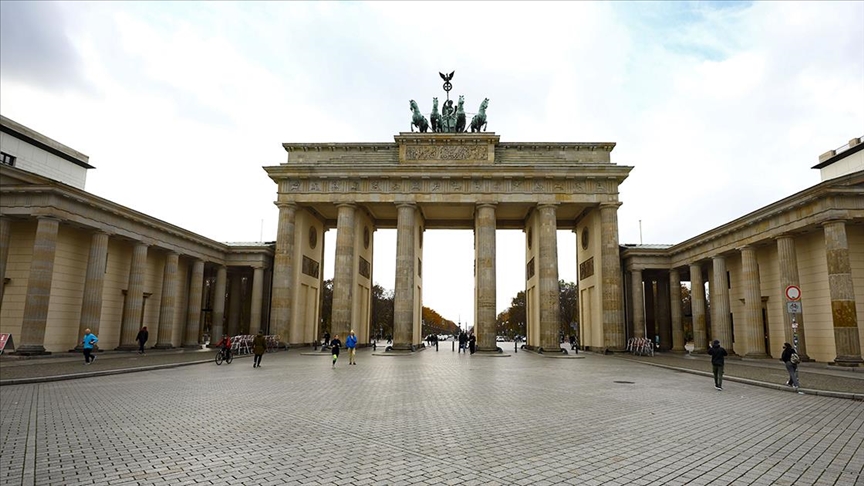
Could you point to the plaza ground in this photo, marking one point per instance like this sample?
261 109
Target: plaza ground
430 418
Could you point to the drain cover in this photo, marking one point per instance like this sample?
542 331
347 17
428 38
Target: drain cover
625 382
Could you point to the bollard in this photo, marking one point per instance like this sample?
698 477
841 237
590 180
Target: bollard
452 345
436 345
515 346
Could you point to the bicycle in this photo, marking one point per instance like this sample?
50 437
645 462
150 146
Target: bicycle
224 355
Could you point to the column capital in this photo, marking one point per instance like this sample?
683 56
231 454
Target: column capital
492 205
285 205
783 237
406 204
349 204
833 221
610 205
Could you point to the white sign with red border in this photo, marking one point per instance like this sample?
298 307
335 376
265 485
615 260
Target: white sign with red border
793 293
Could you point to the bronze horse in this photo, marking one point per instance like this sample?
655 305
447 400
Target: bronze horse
460 115
435 117
479 119
417 119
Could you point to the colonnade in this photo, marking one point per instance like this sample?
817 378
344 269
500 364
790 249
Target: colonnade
44 274
744 328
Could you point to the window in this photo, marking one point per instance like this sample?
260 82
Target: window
7 159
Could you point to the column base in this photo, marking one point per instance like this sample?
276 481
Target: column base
847 361
193 346
163 346
31 350
127 347
759 355
495 350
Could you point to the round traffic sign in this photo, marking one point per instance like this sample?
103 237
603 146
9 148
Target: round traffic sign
793 292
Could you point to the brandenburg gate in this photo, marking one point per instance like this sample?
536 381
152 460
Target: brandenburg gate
440 180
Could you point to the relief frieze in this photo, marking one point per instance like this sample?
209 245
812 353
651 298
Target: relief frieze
446 152
445 186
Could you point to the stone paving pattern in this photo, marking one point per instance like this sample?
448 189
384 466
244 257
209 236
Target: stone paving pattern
431 418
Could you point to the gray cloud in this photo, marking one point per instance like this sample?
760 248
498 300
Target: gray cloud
34 46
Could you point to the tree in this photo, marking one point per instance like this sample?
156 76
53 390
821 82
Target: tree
568 302
382 311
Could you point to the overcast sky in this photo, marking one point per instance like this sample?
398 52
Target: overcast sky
721 107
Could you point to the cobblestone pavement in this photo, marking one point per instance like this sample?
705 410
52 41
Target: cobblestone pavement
430 418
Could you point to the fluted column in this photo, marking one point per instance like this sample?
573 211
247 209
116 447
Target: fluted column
662 320
257 300
788 261
283 272
547 282
403 295
721 321
234 303
193 312
39 287
344 270
675 310
5 234
614 337
168 304
131 323
842 291
94 283
754 329
638 304
485 226
697 303
218 324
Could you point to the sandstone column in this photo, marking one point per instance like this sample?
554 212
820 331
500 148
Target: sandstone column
193 312
344 270
788 261
39 287
235 303
675 310
403 295
168 305
5 234
721 321
257 299
94 283
638 304
485 224
547 282
218 325
613 309
697 303
663 321
842 292
283 273
134 298
754 328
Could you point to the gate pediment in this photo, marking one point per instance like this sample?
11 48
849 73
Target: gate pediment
438 148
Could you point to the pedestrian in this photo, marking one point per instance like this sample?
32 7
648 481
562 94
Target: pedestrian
88 342
572 342
472 343
351 344
326 338
259 347
718 360
790 359
335 344
142 336
463 339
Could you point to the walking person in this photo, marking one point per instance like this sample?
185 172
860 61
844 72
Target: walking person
790 359
335 344
351 344
472 343
88 342
718 360
142 337
463 339
259 347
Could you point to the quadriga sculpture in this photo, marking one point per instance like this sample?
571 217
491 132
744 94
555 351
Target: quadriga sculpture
417 119
479 119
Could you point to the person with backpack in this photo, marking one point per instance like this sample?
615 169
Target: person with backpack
791 359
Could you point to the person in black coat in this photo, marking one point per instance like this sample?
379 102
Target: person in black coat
718 360
791 368
142 337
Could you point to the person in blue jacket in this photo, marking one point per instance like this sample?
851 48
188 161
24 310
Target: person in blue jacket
89 340
351 344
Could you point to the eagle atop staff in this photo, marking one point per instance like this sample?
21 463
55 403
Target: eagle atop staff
447 77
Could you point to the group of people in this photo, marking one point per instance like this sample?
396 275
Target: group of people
789 358
336 345
467 342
